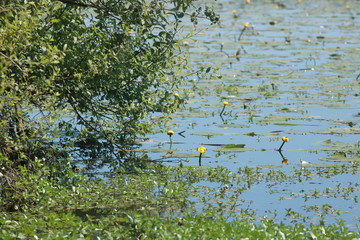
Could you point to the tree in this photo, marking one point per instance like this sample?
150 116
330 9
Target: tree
87 72
86 76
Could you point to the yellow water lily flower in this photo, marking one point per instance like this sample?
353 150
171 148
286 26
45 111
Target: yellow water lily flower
201 149
285 139
176 94
225 103
246 24
170 132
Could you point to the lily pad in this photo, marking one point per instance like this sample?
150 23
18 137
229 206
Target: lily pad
234 148
251 134
207 133
321 165
276 120
154 150
270 166
194 114
338 159
233 125
328 131
295 110
182 155
340 156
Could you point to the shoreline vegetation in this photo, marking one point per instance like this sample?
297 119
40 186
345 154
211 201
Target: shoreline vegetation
168 203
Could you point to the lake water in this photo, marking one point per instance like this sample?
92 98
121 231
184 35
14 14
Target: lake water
295 73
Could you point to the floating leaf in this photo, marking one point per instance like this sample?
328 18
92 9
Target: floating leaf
207 133
252 134
319 165
194 114
183 155
154 150
340 156
234 148
270 166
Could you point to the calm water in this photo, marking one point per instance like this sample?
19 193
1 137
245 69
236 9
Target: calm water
305 89
294 75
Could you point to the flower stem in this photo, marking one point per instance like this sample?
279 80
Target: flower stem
281 146
222 110
241 33
171 142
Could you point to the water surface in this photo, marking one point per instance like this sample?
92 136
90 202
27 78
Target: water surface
294 72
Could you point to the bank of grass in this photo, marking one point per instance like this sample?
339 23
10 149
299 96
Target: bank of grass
157 203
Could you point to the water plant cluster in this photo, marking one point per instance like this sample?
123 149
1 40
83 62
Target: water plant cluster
174 203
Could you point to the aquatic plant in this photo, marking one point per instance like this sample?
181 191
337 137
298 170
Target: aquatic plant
284 139
201 150
170 133
225 103
246 25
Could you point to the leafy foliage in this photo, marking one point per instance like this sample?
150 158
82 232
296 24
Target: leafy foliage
158 203
83 79
106 64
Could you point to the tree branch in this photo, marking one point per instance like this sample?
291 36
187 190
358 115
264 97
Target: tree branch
75 3
14 62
